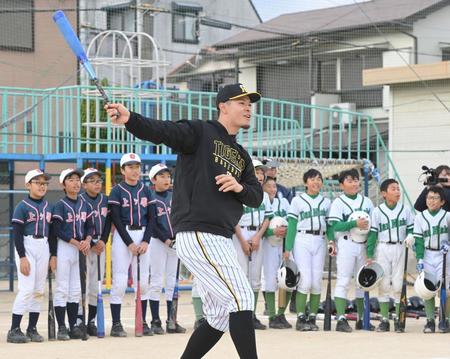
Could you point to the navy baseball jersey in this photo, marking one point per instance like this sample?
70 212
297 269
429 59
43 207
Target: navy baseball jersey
159 210
99 208
74 216
133 202
35 215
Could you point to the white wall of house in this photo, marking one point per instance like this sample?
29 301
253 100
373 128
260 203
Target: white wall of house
420 129
247 75
430 31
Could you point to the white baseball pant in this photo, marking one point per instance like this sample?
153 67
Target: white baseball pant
121 260
309 256
391 257
92 275
68 287
163 265
271 262
32 287
351 256
432 263
222 284
251 269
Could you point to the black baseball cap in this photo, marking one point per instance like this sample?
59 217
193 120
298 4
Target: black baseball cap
235 91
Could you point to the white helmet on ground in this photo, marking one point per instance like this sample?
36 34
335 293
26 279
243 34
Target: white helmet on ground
369 275
427 285
357 234
276 222
288 275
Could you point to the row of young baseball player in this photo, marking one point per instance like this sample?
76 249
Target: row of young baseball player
45 234
364 239
78 226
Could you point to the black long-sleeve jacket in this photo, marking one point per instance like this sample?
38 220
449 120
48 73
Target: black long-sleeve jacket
205 150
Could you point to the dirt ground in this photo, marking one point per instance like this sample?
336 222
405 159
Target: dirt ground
271 343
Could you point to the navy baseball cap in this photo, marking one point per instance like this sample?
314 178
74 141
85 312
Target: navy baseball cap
233 92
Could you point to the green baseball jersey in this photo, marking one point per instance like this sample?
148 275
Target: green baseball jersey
256 216
310 212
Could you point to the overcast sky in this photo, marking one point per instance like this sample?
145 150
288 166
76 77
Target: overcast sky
269 9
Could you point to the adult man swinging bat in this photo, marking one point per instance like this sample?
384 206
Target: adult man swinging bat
213 172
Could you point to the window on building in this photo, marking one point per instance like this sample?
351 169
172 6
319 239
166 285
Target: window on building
185 22
122 17
17 25
352 69
327 75
446 54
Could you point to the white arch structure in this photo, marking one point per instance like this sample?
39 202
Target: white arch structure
124 71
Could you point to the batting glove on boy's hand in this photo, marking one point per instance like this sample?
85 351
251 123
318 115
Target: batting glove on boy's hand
419 265
445 246
410 241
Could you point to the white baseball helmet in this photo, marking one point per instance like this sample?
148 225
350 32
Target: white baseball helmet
357 234
427 285
288 275
369 275
276 222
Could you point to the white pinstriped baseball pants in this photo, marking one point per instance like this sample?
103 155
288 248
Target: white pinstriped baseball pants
222 285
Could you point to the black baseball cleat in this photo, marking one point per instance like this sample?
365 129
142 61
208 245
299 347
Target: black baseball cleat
312 323
92 329
76 332
444 326
199 322
117 330
302 325
384 326
257 324
147 331
430 326
177 330
360 326
34 336
283 320
343 326
397 327
16 336
275 323
63 333
157 327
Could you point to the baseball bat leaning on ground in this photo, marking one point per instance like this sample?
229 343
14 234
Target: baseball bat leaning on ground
100 310
82 260
138 322
443 327
403 297
327 318
51 309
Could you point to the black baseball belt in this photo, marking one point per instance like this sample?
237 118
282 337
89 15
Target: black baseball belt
348 238
134 227
250 228
308 231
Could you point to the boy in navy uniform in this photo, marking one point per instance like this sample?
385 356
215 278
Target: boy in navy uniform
128 204
163 257
92 182
73 228
30 222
